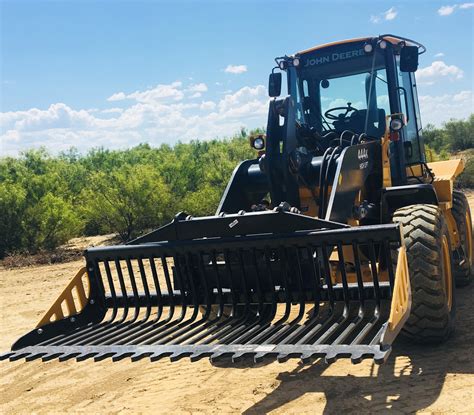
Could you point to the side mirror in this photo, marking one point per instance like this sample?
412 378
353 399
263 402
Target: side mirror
409 59
274 84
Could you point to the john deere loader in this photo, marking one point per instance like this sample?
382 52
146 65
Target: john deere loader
335 239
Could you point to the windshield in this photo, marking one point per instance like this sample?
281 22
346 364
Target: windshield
342 88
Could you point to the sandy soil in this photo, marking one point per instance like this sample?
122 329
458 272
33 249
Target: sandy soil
428 380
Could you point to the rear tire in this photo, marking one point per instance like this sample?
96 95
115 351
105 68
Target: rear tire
462 216
429 256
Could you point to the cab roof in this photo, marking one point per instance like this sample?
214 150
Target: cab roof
389 38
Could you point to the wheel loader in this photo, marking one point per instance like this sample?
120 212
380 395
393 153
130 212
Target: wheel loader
336 238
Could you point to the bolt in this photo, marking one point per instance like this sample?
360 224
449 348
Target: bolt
91 269
73 319
92 301
39 331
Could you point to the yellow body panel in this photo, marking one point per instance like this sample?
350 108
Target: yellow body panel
445 173
73 302
401 300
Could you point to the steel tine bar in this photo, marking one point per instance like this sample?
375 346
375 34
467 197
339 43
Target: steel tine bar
121 356
272 280
191 331
183 328
68 356
360 282
378 336
222 325
146 288
316 272
154 337
123 289
18 356
133 282
83 333
363 333
375 276
349 329
270 328
103 356
112 290
85 356
220 295
182 290
227 261
159 355
388 259
169 287
258 282
35 356
116 334
327 274
156 282
51 356
6 356
338 324
250 323
342 268
140 355
291 329
313 321
264 318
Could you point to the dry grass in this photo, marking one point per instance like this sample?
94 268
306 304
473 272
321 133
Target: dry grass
72 251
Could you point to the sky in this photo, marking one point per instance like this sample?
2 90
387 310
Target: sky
86 74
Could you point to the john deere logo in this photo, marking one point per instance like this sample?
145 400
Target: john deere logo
333 57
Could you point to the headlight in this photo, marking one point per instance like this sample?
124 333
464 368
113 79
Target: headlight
396 124
258 143
368 48
382 44
296 62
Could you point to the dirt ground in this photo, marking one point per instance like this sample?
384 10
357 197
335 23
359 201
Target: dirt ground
415 379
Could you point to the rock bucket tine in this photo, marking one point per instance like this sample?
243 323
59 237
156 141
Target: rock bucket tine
312 294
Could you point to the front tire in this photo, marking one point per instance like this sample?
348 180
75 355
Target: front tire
462 215
429 257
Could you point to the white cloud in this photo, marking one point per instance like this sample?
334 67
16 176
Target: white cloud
201 87
207 105
154 115
236 69
446 10
118 96
112 111
160 93
438 69
439 55
388 15
441 108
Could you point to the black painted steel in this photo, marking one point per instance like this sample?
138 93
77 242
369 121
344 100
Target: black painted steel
265 296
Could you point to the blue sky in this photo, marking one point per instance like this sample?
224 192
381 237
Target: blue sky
117 73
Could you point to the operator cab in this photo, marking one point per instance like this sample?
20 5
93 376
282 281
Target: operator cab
345 93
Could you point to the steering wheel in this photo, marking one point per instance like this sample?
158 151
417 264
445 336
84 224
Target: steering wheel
347 110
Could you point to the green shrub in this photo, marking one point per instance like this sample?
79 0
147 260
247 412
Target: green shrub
466 179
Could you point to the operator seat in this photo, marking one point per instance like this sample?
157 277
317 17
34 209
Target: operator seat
356 123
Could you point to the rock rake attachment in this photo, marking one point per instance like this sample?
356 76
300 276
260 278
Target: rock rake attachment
331 291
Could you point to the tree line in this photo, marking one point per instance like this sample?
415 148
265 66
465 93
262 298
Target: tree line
45 200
